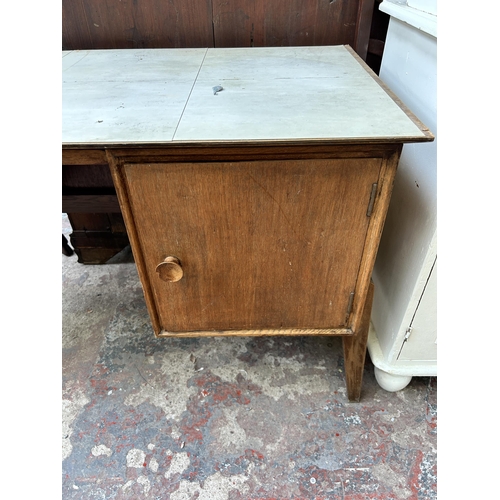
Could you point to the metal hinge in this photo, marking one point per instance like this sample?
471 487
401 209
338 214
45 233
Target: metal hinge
405 339
373 194
408 333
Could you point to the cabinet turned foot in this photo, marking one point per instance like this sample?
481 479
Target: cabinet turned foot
391 382
355 351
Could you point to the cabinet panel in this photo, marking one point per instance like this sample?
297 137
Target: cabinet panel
262 245
422 343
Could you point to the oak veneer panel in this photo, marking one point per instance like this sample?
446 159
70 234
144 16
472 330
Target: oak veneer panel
83 157
263 245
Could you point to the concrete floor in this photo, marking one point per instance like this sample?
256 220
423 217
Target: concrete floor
224 418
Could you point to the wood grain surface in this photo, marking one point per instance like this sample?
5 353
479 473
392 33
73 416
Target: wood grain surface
264 245
108 24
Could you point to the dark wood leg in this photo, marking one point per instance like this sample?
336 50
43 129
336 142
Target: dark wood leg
97 237
355 351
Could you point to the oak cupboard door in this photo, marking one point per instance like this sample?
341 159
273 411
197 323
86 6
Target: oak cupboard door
262 244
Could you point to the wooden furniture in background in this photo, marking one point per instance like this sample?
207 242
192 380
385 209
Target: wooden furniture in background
256 210
90 200
107 24
403 338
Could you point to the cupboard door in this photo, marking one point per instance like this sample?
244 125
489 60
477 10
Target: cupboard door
422 343
260 245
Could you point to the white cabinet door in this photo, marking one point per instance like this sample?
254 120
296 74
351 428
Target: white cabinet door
422 343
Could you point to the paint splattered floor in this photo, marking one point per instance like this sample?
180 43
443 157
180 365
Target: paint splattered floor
224 418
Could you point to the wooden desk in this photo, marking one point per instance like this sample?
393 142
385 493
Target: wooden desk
254 210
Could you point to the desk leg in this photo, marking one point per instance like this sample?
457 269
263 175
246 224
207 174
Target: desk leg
355 351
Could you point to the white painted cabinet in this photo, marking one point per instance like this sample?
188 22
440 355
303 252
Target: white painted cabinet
403 334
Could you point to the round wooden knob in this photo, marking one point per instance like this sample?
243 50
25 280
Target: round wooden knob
170 269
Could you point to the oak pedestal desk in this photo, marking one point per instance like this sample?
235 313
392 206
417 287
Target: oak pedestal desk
254 182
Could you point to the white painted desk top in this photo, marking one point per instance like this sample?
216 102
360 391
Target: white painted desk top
148 96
